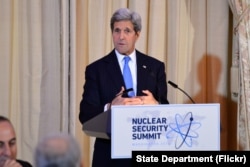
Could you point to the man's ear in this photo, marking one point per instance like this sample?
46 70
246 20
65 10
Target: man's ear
138 33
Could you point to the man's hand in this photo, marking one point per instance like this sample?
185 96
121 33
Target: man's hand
7 162
119 100
137 100
148 98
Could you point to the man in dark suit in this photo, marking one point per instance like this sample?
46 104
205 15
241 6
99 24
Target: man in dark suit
104 81
8 147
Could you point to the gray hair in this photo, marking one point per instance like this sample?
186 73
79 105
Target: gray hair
126 14
67 154
3 118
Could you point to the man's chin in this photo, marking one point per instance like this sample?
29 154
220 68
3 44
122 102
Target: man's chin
122 51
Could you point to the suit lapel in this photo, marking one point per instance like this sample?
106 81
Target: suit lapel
114 71
142 72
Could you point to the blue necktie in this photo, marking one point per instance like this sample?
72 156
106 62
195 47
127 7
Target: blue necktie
127 76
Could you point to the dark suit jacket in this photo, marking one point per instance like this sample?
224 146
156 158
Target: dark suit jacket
24 163
103 80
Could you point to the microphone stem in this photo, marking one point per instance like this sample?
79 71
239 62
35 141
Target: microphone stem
186 94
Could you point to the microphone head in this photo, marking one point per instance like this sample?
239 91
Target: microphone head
173 84
124 92
127 90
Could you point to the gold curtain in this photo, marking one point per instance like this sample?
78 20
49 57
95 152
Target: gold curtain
34 85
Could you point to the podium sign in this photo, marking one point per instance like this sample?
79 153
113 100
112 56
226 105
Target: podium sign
164 128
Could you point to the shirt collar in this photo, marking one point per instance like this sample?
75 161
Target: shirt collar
120 56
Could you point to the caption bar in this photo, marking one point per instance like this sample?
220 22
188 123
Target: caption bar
156 158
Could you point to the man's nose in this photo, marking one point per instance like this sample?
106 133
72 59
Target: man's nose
122 33
7 150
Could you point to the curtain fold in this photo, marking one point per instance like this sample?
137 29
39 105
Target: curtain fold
35 69
240 9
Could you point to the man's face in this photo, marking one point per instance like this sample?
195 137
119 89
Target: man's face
124 37
8 146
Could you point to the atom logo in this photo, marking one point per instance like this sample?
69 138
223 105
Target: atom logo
183 130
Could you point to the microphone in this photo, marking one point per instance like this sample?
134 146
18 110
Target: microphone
124 92
176 86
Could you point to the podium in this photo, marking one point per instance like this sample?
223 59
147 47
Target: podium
172 127
99 126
